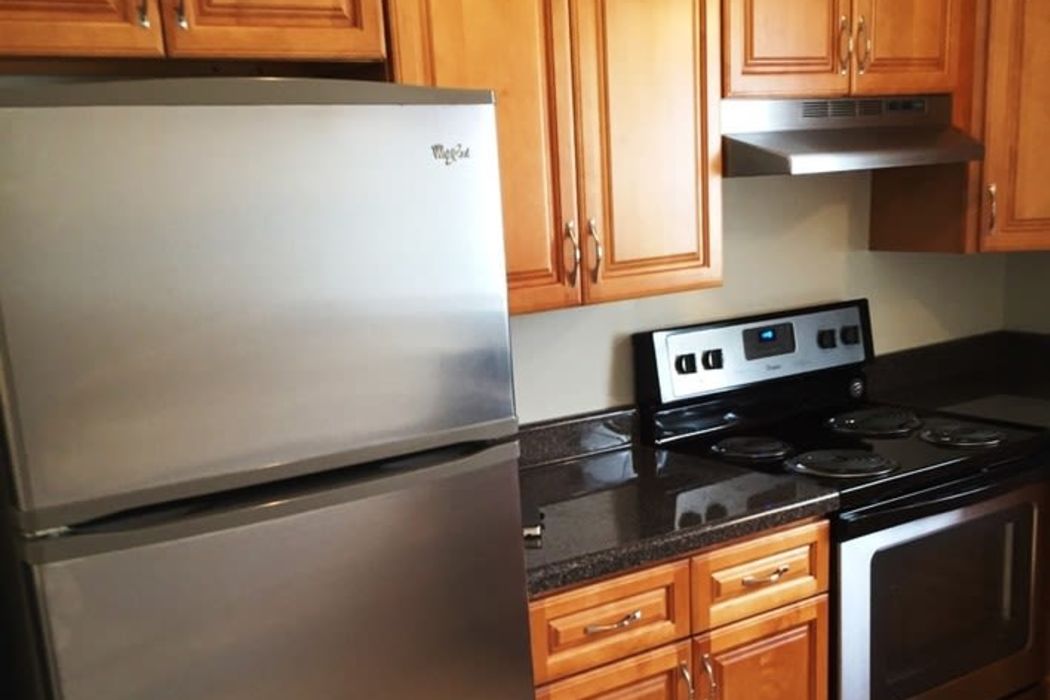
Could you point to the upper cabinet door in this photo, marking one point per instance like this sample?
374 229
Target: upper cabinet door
519 49
906 46
780 48
1016 211
338 30
120 28
648 87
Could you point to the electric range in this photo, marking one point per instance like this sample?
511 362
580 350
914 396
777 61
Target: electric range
935 567
786 393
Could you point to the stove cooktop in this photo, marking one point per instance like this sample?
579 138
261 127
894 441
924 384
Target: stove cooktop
866 452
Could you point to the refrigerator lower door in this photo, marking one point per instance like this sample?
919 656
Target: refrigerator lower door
410 585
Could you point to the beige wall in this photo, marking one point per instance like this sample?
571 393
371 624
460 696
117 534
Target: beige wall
788 242
1028 292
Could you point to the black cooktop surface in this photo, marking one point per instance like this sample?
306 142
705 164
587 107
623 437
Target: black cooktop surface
867 451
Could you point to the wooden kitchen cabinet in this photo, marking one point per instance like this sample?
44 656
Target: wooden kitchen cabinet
338 30
739 581
122 28
606 621
521 51
649 145
829 48
1000 204
757 610
609 138
779 47
663 674
333 30
908 47
1017 159
780 655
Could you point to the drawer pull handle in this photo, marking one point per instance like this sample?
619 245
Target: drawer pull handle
772 578
625 621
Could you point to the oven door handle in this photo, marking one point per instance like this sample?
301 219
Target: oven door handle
880 518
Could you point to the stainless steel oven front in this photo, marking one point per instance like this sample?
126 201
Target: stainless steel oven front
937 593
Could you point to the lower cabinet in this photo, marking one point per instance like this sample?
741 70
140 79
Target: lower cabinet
662 674
744 621
780 655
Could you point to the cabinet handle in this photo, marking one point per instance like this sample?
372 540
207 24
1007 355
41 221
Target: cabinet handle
624 622
570 233
865 61
777 574
180 15
993 206
144 15
599 250
683 669
709 671
847 35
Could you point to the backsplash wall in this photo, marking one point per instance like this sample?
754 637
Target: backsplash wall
788 242
1028 292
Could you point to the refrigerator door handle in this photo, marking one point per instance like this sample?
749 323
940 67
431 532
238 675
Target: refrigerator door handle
264 503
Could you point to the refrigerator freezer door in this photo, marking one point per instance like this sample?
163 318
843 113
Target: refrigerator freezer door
409 586
199 297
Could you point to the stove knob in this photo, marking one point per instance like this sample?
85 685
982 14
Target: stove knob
685 364
850 335
856 388
711 359
826 339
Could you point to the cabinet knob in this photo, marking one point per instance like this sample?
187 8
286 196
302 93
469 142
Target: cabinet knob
599 250
144 15
709 671
864 63
570 235
845 37
180 15
993 207
683 669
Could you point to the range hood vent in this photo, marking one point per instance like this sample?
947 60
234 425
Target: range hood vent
799 137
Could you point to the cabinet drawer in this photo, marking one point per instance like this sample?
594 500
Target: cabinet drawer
739 581
662 674
596 624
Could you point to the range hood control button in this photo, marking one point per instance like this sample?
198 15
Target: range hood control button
850 335
826 339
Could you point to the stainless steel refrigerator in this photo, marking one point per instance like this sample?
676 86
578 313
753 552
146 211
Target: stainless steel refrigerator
256 389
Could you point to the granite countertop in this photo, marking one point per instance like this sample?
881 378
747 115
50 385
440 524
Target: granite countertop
607 513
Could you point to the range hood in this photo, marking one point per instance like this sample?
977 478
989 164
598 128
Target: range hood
801 137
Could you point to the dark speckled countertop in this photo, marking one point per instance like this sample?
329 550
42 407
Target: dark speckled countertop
611 512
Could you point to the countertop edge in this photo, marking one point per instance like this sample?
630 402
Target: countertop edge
549 578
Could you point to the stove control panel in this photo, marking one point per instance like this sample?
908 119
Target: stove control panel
682 363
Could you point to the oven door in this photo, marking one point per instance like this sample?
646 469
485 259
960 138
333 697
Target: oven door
937 593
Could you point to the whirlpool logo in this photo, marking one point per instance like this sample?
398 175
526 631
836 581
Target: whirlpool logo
450 154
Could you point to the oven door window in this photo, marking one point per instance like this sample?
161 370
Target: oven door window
950 602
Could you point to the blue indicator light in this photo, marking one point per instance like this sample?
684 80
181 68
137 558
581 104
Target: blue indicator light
767 335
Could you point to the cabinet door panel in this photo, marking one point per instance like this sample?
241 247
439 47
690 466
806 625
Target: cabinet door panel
1017 159
781 655
782 48
905 47
341 30
520 50
661 674
647 101
121 28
